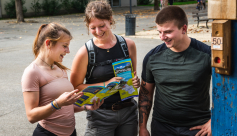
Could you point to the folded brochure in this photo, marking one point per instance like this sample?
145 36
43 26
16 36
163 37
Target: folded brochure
124 69
126 90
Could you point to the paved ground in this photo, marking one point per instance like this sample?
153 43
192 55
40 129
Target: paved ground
16 54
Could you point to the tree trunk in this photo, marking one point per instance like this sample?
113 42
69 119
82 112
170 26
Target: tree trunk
19 12
165 3
156 5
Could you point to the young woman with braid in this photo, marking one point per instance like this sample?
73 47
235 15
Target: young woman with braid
47 92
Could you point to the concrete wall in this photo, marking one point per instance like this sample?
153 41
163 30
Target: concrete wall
2 6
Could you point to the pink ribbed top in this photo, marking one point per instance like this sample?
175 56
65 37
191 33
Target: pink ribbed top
61 122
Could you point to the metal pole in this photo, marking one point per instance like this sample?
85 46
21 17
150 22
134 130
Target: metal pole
130 6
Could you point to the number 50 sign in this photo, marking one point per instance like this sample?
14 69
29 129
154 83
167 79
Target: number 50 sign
217 43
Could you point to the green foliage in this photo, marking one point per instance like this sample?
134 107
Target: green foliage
51 7
79 5
10 8
36 7
144 2
66 5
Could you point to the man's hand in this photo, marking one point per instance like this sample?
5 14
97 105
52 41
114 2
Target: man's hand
136 80
143 132
205 129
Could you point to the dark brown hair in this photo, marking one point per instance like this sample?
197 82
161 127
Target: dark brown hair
172 13
99 10
53 32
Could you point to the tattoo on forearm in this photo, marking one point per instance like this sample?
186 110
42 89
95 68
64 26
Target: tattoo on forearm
145 103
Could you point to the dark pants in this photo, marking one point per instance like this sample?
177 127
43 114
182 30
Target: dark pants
171 2
163 129
40 131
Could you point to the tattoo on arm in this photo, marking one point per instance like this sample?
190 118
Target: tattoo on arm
145 103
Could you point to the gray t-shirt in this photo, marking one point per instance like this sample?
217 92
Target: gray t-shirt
182 81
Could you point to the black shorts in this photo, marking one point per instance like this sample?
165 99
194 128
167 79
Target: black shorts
163 129
40 131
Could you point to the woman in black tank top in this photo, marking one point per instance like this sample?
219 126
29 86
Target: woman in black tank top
105 73
108 120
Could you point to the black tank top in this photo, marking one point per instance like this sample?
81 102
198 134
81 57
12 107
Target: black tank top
105 73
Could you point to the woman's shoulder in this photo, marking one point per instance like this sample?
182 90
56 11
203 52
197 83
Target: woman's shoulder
129 42
83 50
30 78
80 59
81 55
31 69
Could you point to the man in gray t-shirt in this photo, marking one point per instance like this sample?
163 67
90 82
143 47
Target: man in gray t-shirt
179 70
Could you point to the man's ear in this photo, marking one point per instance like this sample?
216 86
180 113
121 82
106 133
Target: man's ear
184 29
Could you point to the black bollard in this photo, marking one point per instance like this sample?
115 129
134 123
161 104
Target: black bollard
130 24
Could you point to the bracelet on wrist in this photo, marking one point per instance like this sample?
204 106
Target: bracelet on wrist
57 104
53 106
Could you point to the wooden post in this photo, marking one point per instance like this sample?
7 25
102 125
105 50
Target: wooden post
224 84
221 46
222 9
224 95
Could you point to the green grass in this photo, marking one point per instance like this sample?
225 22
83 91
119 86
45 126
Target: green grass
175 3
185 3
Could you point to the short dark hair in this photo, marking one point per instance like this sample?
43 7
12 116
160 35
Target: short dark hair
172 13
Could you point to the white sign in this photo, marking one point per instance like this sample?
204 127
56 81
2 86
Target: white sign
217 43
